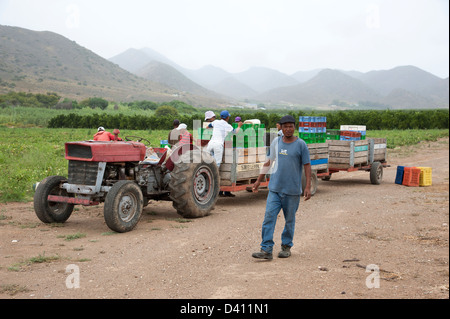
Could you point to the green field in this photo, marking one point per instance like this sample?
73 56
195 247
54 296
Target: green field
28 155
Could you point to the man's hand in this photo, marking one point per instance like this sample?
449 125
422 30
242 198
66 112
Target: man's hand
307 193
255 186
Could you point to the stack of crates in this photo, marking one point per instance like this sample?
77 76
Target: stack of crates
333 134
250 135
312 129
353 132
350 136
413 176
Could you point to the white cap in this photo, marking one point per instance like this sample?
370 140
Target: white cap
101 128
209 114
182 126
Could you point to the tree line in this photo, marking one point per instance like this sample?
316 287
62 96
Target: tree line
372 119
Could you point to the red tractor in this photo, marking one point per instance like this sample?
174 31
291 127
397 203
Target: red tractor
119 174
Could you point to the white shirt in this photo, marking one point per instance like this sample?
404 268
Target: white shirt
220 130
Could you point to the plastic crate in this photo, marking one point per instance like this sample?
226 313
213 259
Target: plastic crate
411 176
351 133
353 128
304 119
425 178
306 129
332 134
163 143
399 176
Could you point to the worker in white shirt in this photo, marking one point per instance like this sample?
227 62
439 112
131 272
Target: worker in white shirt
221 128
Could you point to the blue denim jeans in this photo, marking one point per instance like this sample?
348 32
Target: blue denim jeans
276 202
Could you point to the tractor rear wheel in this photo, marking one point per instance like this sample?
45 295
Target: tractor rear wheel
194 184
47 211
123 206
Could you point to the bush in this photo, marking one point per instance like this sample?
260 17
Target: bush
94 102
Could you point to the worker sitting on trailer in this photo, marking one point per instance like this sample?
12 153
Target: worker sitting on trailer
184 137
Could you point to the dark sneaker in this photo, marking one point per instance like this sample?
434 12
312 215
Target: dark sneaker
228 194
285 252
262 255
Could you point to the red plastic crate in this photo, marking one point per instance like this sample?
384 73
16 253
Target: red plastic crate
411 176
351 133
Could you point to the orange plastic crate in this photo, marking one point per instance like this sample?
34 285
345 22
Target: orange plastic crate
425 176
411 176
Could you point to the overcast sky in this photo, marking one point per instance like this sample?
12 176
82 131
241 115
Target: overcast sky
286 35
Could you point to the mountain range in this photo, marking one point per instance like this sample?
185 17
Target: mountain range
400 87
44 61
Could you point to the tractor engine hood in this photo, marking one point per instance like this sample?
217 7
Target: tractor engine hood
97 151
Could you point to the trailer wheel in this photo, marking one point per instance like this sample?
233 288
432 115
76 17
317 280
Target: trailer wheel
51 212
376 173
123 206
194 184
313 181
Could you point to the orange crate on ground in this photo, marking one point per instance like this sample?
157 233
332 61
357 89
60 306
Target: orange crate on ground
411 176
425 176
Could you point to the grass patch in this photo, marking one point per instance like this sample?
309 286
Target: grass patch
12 289
72 236
109 233
39 259
179 220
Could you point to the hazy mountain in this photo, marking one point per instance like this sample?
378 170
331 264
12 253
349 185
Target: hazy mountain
133 60
405 87
208 76
263 79
326 86
303 76
400 98
230 86
409 78
43 62
33 61
165 74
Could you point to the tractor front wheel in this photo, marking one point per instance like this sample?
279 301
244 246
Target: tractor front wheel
47 211
123 206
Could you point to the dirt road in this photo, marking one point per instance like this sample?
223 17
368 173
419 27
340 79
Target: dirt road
401 232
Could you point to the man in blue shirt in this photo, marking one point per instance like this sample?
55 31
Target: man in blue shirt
289 154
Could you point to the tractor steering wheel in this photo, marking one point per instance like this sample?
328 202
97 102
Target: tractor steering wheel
137 139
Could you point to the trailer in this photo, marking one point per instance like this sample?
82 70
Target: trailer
362 155
241 167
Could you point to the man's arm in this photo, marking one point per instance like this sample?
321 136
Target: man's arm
307 190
